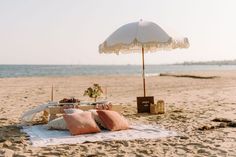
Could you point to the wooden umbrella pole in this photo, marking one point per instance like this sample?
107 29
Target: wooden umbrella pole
144 88
52 93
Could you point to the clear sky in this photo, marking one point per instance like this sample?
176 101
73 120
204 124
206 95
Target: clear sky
69 31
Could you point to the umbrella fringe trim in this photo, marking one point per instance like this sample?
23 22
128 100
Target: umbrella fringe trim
136 46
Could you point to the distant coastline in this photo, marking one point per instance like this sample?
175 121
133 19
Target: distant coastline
223 62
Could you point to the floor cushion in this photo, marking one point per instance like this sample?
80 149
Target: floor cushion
57 124
81 123
113 120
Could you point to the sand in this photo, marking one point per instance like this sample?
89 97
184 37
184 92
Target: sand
190 103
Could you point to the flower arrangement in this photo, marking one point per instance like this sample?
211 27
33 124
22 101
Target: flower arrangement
94 92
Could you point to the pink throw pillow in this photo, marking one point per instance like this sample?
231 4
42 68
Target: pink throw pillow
81 123
97 119
113 120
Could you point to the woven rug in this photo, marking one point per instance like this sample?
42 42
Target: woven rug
40 136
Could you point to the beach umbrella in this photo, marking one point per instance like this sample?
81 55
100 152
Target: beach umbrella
141 36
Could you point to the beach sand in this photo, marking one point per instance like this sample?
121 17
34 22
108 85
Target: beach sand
190 105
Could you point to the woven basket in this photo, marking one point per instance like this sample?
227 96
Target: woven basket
158 108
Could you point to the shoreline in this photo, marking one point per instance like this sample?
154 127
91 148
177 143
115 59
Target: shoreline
196 72
67 71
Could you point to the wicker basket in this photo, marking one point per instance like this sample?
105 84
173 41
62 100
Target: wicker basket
158 108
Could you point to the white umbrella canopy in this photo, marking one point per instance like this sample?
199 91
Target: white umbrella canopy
142 35
133 36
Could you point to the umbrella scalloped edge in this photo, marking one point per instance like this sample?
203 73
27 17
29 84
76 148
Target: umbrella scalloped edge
136 46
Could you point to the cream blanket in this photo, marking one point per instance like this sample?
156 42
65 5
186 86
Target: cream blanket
29 115
40 136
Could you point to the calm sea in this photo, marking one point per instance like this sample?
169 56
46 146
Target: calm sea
78 70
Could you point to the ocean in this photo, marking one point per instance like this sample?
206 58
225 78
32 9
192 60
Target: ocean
79 70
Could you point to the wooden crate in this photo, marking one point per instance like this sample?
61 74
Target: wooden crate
143 104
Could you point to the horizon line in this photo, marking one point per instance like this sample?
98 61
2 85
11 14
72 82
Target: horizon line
176 63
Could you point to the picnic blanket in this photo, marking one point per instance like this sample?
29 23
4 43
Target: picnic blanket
40 136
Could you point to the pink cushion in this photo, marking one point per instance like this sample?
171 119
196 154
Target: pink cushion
81 123
113 120
97 119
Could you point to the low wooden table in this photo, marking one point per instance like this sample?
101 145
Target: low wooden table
53 111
